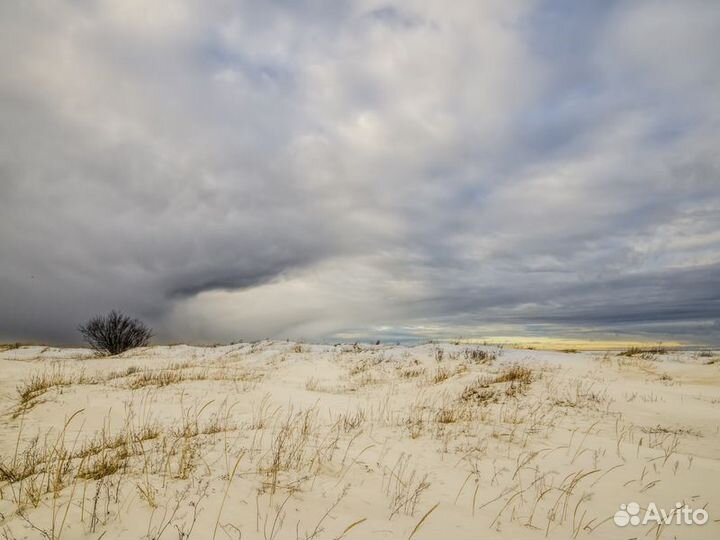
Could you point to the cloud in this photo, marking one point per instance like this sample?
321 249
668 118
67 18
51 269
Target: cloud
286 169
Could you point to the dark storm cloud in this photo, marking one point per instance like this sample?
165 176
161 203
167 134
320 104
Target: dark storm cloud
316 170
670 296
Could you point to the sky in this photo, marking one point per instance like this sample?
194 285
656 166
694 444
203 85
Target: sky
358 169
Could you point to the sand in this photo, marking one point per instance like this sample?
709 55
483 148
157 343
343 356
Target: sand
278 440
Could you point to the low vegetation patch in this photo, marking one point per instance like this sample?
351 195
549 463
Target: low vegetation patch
176 375
516 373
411 372
640 351
440 375
479 392
40 383
479 356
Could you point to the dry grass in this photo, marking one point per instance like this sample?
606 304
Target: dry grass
404 486
479 356
352 421
517 444
640 351
300 447
48 465
39 383
410 372
579 393
479 392
177 375
452 413
515 373
440 375
131 370
160 378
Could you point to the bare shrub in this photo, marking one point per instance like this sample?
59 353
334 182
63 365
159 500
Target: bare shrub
115 333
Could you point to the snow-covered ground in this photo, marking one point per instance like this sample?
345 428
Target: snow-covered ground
278 440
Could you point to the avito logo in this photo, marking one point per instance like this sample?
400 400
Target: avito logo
681 514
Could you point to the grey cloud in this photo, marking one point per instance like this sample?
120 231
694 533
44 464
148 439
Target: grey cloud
252 169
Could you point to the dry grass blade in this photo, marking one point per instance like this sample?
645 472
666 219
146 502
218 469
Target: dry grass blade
350 528
422 520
